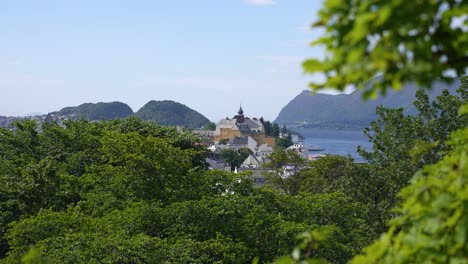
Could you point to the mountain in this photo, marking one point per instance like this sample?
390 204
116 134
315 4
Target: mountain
32 114
7 121
349 110
97 111
170 113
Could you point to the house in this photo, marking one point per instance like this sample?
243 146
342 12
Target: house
205 133
263 150
242 142
206 136
216 163
251 162
299 149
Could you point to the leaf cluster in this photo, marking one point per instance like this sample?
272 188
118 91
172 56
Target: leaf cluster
402 40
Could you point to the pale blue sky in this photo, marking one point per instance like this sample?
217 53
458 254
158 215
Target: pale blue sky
208 54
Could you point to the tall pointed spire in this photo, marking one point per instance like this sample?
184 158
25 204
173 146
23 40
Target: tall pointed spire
240 115
240 112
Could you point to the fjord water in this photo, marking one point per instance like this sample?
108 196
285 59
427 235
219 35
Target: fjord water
336 142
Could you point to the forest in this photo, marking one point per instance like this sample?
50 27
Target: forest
129 191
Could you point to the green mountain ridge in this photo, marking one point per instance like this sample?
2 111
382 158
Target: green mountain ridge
97 111
170 113
349 110
165 113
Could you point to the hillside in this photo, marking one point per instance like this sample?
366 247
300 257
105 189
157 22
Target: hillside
170 113
7 121
348 110
97 111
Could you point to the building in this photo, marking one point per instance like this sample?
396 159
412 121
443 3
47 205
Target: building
216 163
299 149
251 162
242 142
204 133
263 150
240 126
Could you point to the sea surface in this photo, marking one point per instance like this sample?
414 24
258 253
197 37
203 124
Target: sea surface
336 142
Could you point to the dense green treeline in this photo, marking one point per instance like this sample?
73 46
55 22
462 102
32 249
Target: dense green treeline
129 191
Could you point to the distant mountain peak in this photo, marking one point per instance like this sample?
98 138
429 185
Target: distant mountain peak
349 110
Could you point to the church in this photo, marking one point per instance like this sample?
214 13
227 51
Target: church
240 126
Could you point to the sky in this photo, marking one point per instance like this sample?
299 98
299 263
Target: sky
211 55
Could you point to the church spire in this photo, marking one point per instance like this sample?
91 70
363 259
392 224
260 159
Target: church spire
240 115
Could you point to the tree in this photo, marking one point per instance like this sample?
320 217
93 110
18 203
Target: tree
402 145
403 40
289 184
275 130
209 126
266 126
327 174
432 224
235 157
223 141
284 143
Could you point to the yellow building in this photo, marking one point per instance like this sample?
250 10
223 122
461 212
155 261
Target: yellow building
240 126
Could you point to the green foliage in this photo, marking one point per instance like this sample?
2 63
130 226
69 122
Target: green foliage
128 191
61 165
403 40
309 242
433 221
34 257
209 126
268 128
170 113
277 177
275 130
284 142
105 111
223 141
235 157
328 174
403 144
325 175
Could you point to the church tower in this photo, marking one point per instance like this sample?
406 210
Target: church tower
240 116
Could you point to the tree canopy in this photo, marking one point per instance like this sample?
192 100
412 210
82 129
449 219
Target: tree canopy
421 40
432 223
129 191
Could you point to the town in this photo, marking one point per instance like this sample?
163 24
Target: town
241 144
